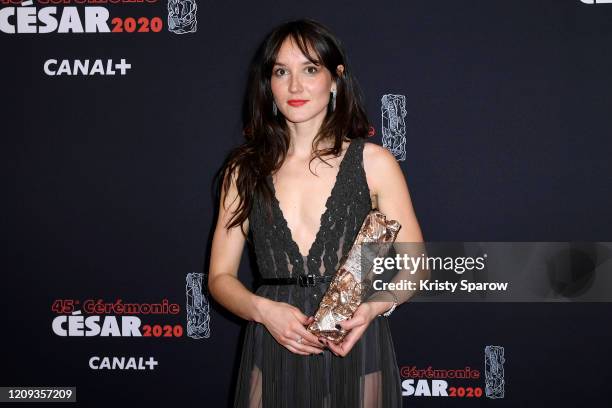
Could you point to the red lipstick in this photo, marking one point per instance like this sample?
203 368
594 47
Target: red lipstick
297 102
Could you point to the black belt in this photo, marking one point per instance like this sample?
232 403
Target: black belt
302 280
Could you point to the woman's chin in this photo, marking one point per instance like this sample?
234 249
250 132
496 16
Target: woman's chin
300 117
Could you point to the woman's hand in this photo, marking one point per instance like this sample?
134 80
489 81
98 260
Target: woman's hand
286 324
365 313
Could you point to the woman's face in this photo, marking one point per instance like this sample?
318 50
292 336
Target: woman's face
295 79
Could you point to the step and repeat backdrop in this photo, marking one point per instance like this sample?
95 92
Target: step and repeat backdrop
116 116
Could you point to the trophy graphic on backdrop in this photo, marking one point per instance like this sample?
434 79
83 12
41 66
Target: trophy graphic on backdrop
494 372
198 309
182 16
393 126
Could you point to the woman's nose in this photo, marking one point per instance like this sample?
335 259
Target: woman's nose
295 85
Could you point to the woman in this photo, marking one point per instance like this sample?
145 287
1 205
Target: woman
302 96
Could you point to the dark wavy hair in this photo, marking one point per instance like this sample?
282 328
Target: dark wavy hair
267 136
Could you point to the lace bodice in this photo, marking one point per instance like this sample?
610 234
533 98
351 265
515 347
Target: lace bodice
347 206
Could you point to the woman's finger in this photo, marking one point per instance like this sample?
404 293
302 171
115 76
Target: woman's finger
308 337
347 344
303 319
303 348
351 339
294 350
306 348
300 345
356 320
334 348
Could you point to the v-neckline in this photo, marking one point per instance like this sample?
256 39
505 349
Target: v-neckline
294 244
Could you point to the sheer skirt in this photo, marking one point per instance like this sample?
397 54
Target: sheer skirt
367 377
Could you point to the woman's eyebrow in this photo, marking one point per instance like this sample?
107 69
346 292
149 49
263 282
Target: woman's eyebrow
284 65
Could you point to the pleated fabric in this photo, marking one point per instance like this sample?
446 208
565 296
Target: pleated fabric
272 376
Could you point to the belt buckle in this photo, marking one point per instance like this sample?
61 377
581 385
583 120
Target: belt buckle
307 280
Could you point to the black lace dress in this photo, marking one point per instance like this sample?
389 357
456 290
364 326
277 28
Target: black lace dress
272 376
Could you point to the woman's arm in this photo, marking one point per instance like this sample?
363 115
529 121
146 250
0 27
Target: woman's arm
227 248
386 180
284 321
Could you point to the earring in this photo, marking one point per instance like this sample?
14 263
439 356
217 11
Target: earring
333 99
274 108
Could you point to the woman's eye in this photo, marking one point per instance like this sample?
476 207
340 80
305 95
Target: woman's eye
310 70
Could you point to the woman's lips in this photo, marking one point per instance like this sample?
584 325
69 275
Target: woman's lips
297 102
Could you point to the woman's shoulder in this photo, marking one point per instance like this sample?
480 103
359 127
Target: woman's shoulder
377 156
380 166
